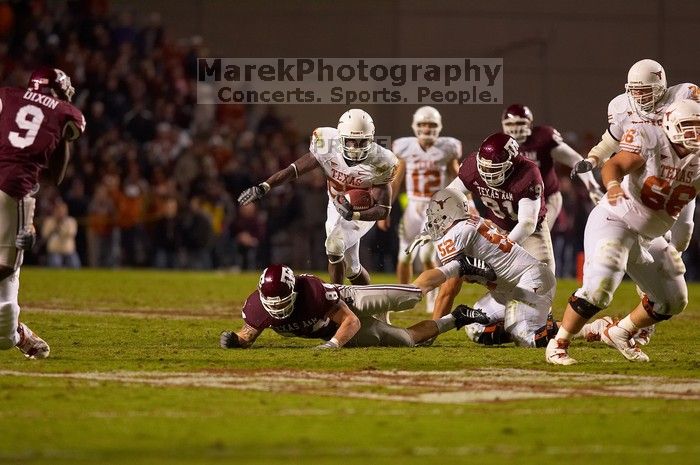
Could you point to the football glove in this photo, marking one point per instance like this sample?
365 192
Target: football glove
581 166
419 241
342 204
474 269
327 345
229 340
26 238
253 193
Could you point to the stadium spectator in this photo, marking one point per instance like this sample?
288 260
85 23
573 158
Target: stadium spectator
58 231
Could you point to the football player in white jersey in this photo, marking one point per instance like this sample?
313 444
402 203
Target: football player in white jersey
522 285
427 163
651 183
643 103
350 159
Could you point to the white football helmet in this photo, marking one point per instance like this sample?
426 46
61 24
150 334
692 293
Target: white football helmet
445 207
646 85
356 130
682 123
427 115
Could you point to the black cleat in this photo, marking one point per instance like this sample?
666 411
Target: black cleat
465 315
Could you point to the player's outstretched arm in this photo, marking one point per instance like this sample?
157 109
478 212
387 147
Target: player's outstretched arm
239 340
617 168
429 280
348 326
302 166
598 155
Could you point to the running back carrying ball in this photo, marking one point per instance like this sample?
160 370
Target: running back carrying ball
360 199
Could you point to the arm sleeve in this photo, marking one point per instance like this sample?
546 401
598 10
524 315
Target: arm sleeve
450 270
682 229
604 150
528 210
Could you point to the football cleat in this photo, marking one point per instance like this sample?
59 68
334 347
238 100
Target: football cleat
465 315
621 339
557 353
643 336
591 331
31 345
475 269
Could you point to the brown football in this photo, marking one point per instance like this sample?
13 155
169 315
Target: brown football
360 199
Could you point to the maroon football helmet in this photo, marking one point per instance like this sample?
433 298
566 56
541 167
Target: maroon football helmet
495 157
53 82
276 288
517 122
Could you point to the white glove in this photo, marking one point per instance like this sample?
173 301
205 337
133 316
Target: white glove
595 195
327 345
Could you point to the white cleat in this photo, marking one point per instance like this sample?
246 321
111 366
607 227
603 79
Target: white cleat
557 353
31 345
591 331
621 339
644 335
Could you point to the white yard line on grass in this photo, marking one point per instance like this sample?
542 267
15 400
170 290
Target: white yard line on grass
441 387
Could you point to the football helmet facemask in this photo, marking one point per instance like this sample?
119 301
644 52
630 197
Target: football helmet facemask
356 131
646 85
430 117
276 288
495 157
444 209
517 122
681 123
53 82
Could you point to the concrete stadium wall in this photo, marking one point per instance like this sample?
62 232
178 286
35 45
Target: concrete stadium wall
565 59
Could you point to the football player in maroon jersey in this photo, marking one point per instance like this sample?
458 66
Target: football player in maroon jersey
37 125
511 188
543 145
342 316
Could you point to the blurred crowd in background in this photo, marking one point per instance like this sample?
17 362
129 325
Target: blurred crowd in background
153 182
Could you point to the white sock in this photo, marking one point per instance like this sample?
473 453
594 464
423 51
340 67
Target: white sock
628 325
445 323
563 334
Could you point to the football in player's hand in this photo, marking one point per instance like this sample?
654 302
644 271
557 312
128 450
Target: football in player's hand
360 199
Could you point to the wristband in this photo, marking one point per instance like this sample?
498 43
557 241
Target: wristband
265 186
296 171
355 216
334 341
611 184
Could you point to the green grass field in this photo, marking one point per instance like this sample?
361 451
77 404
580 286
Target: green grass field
136 376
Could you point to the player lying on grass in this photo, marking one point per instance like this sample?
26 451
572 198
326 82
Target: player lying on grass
342 316
521 287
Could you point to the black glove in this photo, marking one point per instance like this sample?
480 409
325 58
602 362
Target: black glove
581 166
253 193
474 269
342 204
26 238
229 340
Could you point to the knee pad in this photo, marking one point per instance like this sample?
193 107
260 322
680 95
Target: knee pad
335 244
662 312
584 308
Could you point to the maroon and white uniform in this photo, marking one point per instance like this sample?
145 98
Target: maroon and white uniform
315 300
524 182
538 149
544 147
31 126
